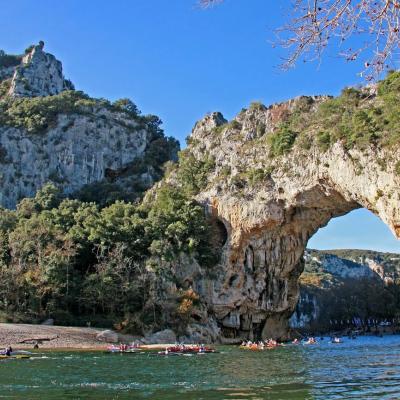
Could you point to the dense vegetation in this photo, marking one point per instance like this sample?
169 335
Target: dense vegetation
355 118
76 262
37 114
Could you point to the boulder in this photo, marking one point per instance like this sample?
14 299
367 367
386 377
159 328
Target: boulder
108 336
49 322
166 336
202 333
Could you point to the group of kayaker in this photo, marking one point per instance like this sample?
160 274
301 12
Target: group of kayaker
261 345
271 343
124 348
310 340
185 349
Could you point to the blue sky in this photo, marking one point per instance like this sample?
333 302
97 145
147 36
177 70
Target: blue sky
179 62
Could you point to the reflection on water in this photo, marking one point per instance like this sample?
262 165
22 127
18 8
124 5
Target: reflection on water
366 368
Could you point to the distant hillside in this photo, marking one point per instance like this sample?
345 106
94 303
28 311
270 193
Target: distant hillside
338 285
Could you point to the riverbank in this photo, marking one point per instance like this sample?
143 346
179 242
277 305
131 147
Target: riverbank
24 336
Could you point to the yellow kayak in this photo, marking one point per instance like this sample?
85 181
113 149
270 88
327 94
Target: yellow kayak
16 357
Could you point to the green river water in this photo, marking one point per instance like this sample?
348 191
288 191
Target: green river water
365 368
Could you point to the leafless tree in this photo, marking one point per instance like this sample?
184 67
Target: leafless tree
313 24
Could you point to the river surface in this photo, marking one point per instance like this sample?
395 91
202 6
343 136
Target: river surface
365 368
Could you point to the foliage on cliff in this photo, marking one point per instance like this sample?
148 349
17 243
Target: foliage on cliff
37 114
355 118
9 60
75 262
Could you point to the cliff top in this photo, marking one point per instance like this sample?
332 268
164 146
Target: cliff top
34 74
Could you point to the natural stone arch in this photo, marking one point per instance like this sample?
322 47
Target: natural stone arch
278 174
276 221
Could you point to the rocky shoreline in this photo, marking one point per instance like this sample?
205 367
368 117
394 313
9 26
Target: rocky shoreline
27 336
19 335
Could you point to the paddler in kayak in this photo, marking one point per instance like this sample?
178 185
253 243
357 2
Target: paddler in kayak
7 351
311 340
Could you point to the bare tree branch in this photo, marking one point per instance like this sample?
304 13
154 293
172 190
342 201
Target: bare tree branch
313 24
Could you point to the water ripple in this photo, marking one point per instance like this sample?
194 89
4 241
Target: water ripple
367 368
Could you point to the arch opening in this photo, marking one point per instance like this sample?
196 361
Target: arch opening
351 279
273 239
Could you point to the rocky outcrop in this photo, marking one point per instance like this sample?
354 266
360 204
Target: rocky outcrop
85 141
39 74
270 206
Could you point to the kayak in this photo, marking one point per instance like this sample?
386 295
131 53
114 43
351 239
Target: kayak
175 353
124 351
256 348
16 357
189 350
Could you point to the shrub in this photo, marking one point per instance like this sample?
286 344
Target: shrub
9 60
257 106
4 87
282 141
127 106
397 168
193 173
235 125
324 140
38 114
258 175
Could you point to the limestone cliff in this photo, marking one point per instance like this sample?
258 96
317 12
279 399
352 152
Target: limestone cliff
278 174
49 132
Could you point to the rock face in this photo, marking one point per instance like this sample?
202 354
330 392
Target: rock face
79 150
167 336
271 206
39 74
340 267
